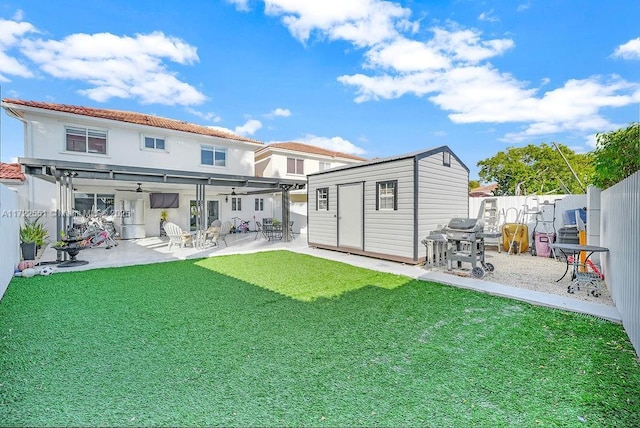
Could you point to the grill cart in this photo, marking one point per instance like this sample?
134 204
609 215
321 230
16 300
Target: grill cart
465 242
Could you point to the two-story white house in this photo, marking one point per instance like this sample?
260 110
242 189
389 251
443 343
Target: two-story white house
137 166
293 160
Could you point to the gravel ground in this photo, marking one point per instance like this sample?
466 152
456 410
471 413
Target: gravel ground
536 273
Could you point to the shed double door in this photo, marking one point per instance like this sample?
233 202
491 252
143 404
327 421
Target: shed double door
351 215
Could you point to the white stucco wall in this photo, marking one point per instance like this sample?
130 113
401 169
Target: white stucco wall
9 229
45 138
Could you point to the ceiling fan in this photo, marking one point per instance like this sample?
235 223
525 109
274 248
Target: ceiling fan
138 190
233 193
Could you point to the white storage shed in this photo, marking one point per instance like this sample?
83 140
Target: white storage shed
384 208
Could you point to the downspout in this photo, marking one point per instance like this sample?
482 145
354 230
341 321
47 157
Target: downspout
416 221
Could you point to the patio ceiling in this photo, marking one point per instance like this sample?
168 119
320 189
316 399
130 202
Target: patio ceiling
51 170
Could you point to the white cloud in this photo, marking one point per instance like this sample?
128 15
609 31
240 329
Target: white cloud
119 66
337 144
249 128
279 112
361 22
452 68
488 16
591 140
629 50
406 55
19 15
10 36
208 116
241 5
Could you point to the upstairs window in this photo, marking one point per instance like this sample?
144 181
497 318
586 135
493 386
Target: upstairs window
84 140
324 165
154 143
387 195
322 199
295 166
215 156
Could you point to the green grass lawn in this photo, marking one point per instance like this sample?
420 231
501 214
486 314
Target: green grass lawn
284 339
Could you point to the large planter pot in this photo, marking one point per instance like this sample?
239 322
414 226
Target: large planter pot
28 250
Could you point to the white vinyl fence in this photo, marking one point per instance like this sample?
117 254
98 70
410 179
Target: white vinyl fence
620 232
510 207
9 240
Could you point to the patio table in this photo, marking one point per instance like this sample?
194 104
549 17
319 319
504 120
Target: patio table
579 273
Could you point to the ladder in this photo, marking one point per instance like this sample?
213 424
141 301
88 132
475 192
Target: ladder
491 217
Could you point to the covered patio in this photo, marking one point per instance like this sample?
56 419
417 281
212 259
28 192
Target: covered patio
70 177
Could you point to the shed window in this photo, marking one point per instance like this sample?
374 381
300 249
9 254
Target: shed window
387 195
446 158
322 200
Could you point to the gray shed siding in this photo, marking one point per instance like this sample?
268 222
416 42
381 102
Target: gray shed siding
441 194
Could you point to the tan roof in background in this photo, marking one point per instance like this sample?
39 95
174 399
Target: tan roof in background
483 190
306 148
11 171
132 117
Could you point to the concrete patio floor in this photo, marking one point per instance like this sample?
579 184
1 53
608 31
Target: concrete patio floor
156 250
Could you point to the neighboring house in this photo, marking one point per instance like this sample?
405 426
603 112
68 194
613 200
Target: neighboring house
297 160
101 159
483 191
385 207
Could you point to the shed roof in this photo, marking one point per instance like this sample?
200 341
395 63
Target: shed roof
125 116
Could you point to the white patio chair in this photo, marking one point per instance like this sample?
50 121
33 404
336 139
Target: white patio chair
224 231
259 231
212 234
177 236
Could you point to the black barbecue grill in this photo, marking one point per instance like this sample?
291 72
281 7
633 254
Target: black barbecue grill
465 243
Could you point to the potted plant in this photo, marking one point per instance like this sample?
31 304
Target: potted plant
163 219
32 237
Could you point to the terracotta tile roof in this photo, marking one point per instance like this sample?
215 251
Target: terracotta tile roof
11 171
131 117
306 148
483 190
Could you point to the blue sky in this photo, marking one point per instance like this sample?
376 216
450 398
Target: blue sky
368 77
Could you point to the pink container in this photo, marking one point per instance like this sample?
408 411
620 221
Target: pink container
542 241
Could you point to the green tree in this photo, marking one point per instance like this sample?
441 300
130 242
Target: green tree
617 155
537 169
473 184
